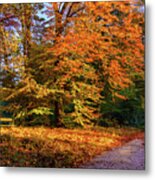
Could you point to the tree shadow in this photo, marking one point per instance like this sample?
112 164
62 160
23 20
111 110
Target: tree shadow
28 152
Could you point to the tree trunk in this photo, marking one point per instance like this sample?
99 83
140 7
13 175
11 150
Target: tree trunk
58 118
26 28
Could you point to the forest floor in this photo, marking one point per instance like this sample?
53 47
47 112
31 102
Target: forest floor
66 148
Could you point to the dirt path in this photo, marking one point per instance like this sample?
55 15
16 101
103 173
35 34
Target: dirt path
130 156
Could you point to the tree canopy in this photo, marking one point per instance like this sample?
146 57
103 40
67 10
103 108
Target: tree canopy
73 63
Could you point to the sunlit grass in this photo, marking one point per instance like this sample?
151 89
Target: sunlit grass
45 147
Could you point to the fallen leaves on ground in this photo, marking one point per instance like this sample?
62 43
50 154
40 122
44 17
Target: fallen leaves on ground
58 147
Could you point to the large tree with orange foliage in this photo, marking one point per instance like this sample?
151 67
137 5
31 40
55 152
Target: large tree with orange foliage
99 50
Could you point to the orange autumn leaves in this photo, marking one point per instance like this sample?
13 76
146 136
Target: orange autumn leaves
86 54
118 78
99 36
100 47
45 147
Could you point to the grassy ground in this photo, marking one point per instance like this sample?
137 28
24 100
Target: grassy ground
45 147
